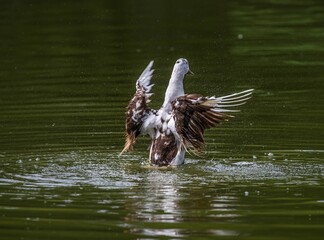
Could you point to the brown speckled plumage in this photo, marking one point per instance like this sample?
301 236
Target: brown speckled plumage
135 115
194 114
164 150
179 125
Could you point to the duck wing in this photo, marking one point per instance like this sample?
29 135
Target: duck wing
194 113
138 114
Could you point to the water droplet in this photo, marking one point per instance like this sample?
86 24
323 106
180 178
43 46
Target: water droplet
102 211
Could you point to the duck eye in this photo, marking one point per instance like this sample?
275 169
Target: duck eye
178 61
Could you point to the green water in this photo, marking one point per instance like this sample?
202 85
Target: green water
67 72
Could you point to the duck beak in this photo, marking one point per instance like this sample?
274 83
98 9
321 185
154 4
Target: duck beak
190 72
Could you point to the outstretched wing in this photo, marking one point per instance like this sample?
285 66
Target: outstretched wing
194 113
138 110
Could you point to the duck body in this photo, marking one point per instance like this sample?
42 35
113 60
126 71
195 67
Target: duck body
178 126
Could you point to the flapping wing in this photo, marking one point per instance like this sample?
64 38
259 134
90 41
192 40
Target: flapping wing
138 110
194 113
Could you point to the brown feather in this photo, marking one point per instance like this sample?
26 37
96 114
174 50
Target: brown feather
136 113
164 150
193 115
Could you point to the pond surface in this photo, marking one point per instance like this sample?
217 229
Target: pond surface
67 72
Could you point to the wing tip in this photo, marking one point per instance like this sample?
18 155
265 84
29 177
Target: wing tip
130 141
144 79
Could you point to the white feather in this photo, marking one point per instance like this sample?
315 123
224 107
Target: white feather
163 121
145 79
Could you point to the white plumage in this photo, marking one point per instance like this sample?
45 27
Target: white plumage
178 126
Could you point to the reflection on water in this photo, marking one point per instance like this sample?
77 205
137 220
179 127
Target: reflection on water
161 196
214 196
159 202
67 72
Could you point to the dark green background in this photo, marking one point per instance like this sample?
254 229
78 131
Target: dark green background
67 72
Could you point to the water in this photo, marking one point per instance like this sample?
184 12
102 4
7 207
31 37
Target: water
67 72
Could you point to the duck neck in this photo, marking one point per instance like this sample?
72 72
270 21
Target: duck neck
175 89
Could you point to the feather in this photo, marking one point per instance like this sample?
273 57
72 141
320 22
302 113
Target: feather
179 125
194 113
137 110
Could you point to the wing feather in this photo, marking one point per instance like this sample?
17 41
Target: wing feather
194 113
137 110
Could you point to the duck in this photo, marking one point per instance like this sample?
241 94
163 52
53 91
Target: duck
179 125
